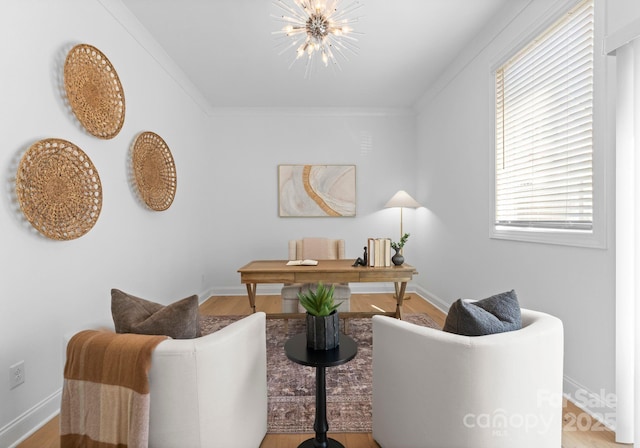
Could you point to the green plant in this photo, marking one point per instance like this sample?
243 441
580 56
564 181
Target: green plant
319 302
399 245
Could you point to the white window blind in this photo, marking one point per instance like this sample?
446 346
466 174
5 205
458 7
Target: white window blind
544 110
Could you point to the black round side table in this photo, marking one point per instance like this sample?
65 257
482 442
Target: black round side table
297 351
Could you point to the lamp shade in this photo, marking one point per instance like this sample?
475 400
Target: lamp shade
402 199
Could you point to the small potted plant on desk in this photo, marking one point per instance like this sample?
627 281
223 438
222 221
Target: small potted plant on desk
322 317
398 258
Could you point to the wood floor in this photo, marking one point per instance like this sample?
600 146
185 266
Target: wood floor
573 436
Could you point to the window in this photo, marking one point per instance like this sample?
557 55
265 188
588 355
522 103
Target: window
544 130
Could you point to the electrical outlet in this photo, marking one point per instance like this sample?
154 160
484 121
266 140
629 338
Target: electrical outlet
16 374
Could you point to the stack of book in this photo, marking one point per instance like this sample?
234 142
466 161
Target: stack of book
379 252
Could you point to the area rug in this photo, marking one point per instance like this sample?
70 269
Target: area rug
291 387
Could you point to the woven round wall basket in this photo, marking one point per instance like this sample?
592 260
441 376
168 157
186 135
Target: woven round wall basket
58 189
154 171
94 91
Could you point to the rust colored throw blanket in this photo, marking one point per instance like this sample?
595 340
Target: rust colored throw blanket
105 398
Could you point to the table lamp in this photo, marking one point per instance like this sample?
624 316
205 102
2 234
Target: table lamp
402 199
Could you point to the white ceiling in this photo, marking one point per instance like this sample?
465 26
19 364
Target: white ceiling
227 49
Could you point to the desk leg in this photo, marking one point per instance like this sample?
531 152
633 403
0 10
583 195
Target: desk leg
400 288
320 424
397 285
251 292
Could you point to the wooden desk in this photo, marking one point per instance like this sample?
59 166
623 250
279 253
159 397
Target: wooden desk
327 271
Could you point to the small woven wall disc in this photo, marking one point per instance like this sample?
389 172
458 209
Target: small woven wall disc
58 189
154 171
94 91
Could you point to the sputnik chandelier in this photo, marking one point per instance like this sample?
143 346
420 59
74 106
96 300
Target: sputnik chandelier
318 27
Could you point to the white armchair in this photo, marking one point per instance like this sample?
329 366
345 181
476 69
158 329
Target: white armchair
433 389
211 391
315 249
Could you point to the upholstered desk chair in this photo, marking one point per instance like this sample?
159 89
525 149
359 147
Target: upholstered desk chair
433 389
314 249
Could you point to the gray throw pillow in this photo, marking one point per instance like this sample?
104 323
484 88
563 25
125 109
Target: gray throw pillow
131 314
495 314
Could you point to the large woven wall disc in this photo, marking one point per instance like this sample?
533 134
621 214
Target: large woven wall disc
94 91
154 171
58 189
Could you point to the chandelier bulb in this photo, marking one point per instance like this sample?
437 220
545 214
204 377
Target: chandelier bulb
300 51
323 25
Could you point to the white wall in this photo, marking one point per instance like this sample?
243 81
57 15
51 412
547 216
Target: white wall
225 211
52 287
455 143
247 150
621 13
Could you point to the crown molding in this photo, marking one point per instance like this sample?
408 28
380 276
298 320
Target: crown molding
312 111
488 34
141 35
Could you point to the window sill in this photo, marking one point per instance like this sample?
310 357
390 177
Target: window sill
577 238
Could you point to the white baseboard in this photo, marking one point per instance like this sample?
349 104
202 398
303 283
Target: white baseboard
204 295
433 299
275 288
356 288
599 407
23 426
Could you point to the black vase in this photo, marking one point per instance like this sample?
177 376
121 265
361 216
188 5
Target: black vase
323 331
397 259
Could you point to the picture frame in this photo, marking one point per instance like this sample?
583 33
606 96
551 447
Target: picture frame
316 190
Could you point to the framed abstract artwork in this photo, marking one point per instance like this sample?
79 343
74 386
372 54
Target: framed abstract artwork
316 190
